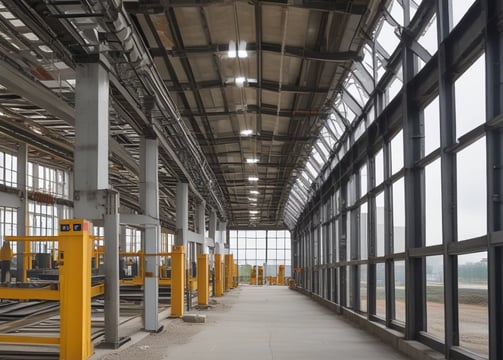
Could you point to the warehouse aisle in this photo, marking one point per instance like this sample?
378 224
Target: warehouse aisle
251 323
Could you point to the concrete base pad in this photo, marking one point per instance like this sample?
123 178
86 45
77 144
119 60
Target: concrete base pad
194 318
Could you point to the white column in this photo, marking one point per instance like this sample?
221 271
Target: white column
92 199
149 201
201 225
22 211
182 214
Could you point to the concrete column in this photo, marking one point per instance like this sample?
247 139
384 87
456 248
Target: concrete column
92 199
212 232
111 266
22 211
91 128
149 200
201 225
182 214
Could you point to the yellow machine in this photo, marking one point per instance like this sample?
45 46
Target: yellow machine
260 280
74 293
281 275
253 276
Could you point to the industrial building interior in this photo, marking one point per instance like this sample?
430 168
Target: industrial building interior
174 149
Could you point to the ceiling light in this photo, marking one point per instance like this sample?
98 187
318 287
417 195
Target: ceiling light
252 160
247 132
252 199
254 192
253 178
240 80
253 212
231 53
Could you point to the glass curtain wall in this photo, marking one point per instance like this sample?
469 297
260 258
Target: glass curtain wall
410 182
268 249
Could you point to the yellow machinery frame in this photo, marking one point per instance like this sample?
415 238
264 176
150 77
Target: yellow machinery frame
74 293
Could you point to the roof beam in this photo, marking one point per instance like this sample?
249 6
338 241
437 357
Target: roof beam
266 85
294 51
340 6
265 110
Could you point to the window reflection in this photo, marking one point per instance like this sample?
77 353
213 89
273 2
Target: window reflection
435 295
471 191
473 302
380 224
470 97
379 167
398 216
433 204
431 126
363 288
363 231
459 9
380 290
397 152
399 269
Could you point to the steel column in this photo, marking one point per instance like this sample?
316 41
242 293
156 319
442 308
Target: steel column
494 109
22 211
149 201
414 205
448 176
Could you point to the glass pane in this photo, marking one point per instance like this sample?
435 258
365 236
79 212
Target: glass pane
471 191
379 167
363 180
363 231
470 98
433 204
380 224
363 288
473 303
459 9
428 38
397 152
398 216
431 126
399 269
348 237
380 290
435 295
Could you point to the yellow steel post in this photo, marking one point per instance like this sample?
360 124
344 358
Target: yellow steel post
236 275
75 250
228 272
203 293
219 281
177 280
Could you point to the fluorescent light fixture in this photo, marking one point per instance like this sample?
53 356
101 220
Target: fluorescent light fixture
254 192
247 132
253 178
231 53
252 199
242 53
253 212
240 80
252 160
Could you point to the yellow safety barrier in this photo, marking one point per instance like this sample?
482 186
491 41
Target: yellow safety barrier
203 293
74 293
219 279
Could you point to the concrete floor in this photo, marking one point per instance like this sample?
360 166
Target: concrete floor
251 323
